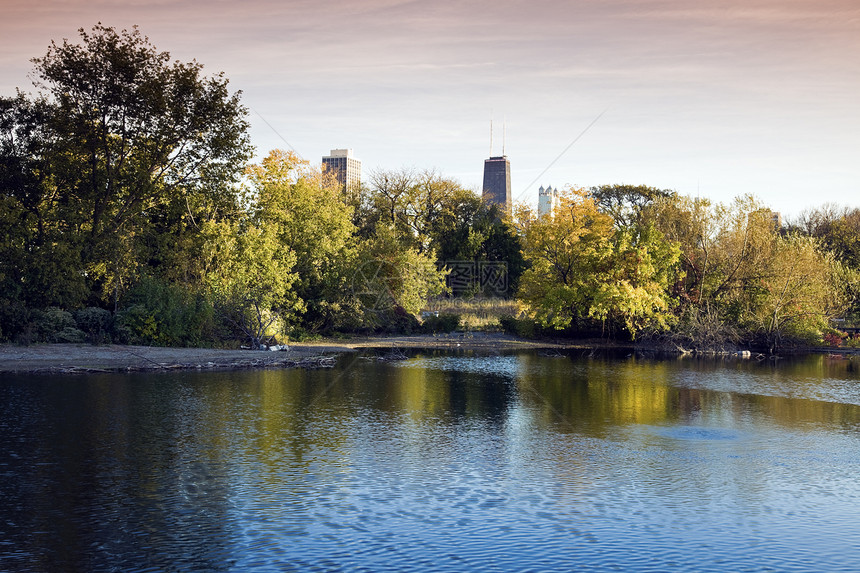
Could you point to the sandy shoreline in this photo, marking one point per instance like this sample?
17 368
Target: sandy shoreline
73 358
82 358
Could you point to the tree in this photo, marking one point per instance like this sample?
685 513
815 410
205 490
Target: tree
837 227
117 133
472 232
384 203
635 289
251 279
626 203
454 235
310 220
424 203
725 248
392 279
437 217
40 250
838 230
583 268
742 278
799 294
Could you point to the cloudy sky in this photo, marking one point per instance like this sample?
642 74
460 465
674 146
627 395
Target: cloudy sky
715 98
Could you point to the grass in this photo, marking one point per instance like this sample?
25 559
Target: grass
480 314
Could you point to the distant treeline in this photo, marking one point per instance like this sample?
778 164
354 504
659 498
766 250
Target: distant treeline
129 213
689 273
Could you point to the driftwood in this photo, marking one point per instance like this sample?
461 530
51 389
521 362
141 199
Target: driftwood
392 355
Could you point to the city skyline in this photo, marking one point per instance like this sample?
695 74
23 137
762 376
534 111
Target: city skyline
717 99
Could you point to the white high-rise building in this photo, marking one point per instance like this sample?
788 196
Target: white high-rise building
547 200
345 167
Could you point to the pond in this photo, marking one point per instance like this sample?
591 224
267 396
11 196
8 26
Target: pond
447 462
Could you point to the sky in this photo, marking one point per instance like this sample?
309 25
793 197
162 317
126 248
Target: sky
708 98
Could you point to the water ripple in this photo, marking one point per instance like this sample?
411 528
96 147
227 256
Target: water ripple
387 471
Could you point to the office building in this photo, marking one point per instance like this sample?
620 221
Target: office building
345 167
547 200
497 182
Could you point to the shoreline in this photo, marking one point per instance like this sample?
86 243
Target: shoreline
87 358
115 358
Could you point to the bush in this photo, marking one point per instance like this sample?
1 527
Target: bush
14 318
833 339
56 325
522 327
703 329
397 321
157 313
95 323
441 323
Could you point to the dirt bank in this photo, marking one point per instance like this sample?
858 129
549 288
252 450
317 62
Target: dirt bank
74 358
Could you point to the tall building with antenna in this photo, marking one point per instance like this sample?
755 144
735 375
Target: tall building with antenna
497 182
497 178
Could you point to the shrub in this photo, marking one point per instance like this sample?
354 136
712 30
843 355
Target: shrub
441 323
95 323
56 325
522 327
157 313
397 321
833 339
14 317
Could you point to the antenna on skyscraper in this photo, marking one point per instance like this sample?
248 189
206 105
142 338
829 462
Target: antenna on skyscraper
504 133
491 133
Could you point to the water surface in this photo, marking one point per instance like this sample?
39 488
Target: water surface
442 461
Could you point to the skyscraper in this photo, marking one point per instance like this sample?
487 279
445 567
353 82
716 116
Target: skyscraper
547 200
345 167
497 182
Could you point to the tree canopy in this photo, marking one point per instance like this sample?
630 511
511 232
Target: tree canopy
584 268
125 186
118 144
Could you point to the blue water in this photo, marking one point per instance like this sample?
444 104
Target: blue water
440 462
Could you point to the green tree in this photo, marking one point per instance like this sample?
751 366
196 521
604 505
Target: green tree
116 134
437 217
384 203
798 295
312 221
469 230
388 276
40 252
626 204
250 278
423 205
838 230
635 288
725 248
744 279
454 233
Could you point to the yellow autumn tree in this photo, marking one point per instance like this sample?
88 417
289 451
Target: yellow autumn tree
583 268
